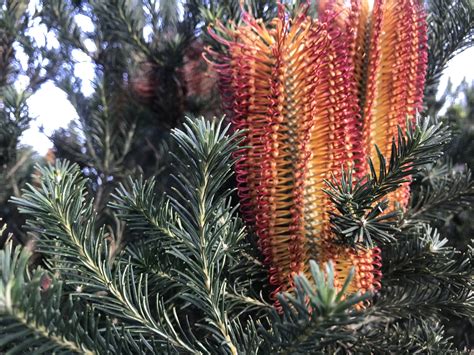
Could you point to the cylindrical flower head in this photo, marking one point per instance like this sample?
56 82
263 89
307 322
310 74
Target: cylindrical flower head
269 76
388 56
337 143
395 77
313 97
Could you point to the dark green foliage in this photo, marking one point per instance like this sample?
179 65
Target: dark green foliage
450 31
206 244
24 66
33 310
142 57
15 165
428 261
14 120
231 10
442 192
41 65
406 337
456 224
460 116
426 275
42 61
360 205
193 282
302 328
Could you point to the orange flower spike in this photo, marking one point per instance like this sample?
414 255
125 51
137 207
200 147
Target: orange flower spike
257 121
367 264
235 82
336 142
347 27
393 92
358 27
314 96
395 76
270 71
357 33
333 138
288 108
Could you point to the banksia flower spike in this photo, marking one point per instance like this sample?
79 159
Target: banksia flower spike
269 81
314 95
394 76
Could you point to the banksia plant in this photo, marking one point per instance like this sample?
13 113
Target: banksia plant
394 76
314 96
115 262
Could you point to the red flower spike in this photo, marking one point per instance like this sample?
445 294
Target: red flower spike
395 79
314 97
336 143
270 71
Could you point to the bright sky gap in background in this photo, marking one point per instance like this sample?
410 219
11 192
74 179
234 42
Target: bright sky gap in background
51 109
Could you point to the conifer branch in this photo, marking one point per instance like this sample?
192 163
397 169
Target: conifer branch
315 316
422 257
124 20
408 337
145 215
423 302
33 313
138 206
360 218
14 120
59 16
198 229
449 193
450 31
208 229
61 213
424 278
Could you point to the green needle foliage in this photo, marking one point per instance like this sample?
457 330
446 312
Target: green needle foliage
448 192
24 66
360 217
193 282
451 30
302 328
202 241
33 308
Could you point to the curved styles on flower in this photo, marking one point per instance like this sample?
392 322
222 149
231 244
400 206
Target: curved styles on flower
313 95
